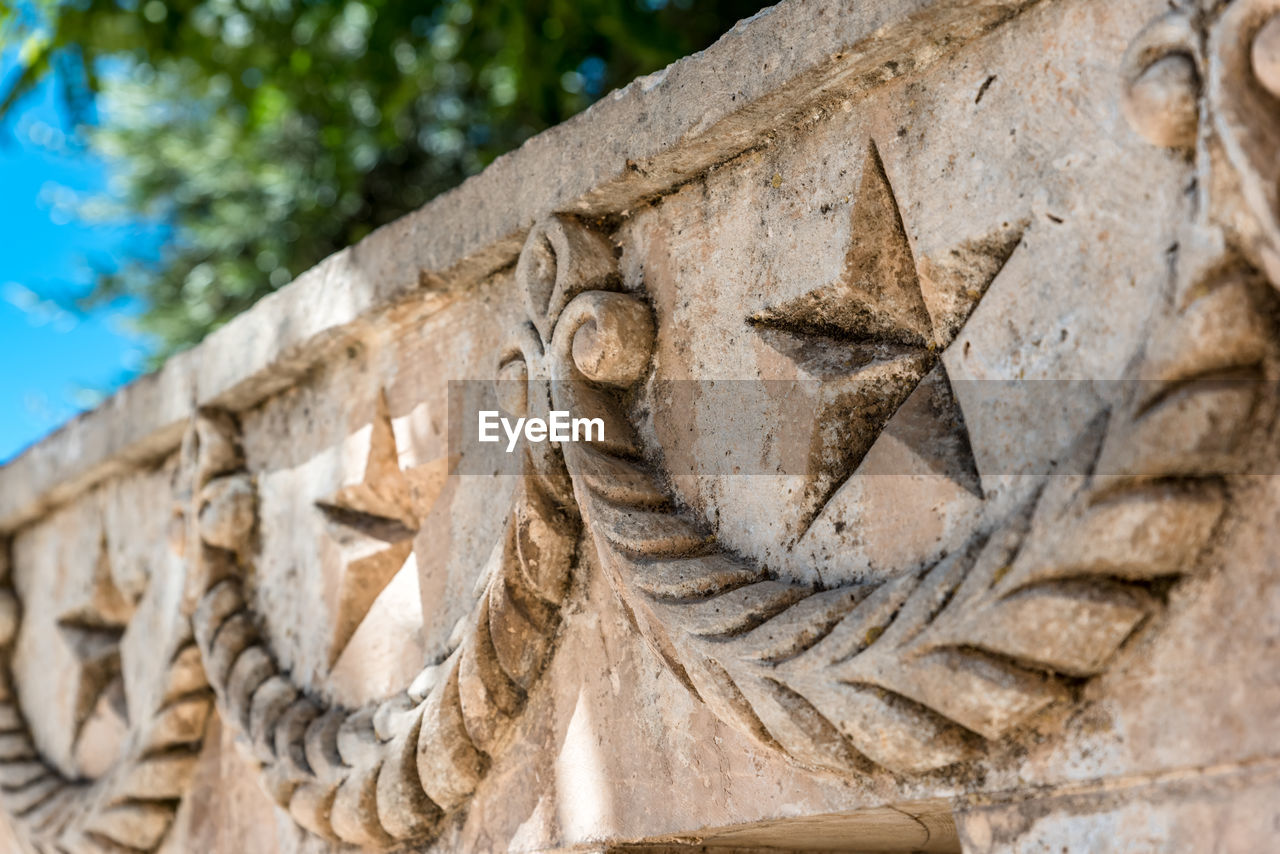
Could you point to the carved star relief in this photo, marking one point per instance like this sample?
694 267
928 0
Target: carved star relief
92 630
874 338
378 518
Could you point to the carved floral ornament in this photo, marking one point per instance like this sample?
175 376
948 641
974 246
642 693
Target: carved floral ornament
914 671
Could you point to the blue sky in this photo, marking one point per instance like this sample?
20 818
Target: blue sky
58 362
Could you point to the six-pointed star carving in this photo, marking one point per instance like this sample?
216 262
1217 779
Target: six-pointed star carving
386 507
874 339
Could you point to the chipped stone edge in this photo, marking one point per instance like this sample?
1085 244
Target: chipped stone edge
785 65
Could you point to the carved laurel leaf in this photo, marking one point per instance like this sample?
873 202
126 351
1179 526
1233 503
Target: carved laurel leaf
914 673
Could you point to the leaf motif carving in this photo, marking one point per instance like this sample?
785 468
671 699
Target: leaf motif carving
919 671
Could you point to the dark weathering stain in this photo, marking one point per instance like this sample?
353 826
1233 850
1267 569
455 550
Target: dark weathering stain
982 90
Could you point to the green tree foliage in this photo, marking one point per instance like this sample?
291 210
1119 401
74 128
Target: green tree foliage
271 133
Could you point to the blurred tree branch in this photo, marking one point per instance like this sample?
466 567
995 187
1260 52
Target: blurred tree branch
272 133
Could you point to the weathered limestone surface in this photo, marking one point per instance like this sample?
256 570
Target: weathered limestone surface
935 343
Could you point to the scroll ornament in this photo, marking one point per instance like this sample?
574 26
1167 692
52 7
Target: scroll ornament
1204 79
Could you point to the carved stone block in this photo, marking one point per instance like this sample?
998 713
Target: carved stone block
933 349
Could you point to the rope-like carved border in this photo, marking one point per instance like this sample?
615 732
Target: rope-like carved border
384 775
388 774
